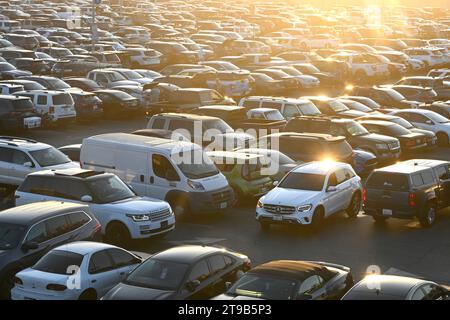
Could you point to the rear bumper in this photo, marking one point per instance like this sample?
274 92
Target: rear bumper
399 214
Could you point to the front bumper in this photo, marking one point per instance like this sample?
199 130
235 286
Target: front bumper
296 218
143 230
22 294
211 201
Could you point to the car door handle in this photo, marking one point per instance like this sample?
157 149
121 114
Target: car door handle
93 281
152 180
122 273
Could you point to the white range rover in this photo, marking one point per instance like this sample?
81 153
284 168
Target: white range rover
310 193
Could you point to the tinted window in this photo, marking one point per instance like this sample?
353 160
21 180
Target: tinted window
158 123
59 262
332 180
387 181
61 99
37 233
417 180
78 219
181 124
303 181
109 189
42 100
162 167
6 154
340 176
19 157
427 177
57 226
217 263
100 262
49 157
310 284
10 235
200 271
122 258
252 104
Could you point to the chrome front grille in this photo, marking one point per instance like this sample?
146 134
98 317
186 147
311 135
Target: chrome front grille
394 145
278 209
160 215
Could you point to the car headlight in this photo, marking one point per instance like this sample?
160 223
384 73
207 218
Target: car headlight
304 208
259 204
382 146
195 185
139 217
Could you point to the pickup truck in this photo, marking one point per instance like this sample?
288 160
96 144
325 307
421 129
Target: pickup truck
188 99
413 188
267 119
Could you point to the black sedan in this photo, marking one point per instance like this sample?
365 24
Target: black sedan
416 93
291 280
115 102
409 141
389 287
180 273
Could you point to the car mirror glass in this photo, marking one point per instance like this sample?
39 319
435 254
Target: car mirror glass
86 198
28 164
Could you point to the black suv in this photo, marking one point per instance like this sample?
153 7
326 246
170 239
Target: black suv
30 231
13 112
413 188
307 147
384 147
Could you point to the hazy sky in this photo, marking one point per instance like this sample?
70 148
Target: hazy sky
418 3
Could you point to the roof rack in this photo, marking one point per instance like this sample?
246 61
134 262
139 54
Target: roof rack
12 138
84 174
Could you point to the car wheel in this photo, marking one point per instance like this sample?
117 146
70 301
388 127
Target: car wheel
442 139
117 234
355 206
428 216
180 207
379 219
89 294
265 226
317 218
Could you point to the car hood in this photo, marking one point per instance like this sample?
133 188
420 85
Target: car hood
424 132
237 135
379 138
18 73
227 297
353 113
123 83
68 165
124 291
139 205
294 197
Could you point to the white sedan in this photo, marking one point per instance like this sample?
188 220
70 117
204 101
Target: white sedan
78 270
310 193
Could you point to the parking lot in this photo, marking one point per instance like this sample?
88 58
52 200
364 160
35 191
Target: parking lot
399 247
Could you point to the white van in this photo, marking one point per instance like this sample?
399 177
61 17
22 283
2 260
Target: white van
160 168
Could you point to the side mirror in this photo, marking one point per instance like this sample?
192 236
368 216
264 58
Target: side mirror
429 122
228 285
86 198
30 246
331 189
275 183
192 285
28 164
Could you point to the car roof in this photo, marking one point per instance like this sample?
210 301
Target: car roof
23 143
401 167
186 116
298 270
425 162
71 173
233 155
318 136
221 107
84 247
377 122
29 214
187 253
319 167
389 284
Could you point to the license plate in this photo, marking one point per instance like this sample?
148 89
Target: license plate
387 212
277 218
164 224
32 122
223 205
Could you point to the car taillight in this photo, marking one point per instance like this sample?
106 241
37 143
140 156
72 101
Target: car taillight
18 281
247 265
364 195
97 227
56 287
51 109
412 200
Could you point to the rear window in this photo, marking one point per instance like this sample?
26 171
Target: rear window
62 99
22 104
59 262
388 181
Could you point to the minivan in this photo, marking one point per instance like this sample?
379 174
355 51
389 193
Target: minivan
178 172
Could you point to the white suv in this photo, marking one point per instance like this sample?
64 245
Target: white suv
19 157
122 214
310 193
54 105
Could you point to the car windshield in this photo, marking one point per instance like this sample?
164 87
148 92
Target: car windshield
109 189
292 72
158 274
10 235
59 262
359 106
197 165
309 109
404 123
115 76
394 95
58 84
337 106
49 157
264 287
218 124
261 77
397 130
436 117
356 129
274 115
6 67
129 74
303 181
121 95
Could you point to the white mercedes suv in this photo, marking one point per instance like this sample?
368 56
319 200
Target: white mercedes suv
310 193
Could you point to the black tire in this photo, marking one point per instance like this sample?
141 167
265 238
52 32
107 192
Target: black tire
380 219
442 139
89 294
318 217
265 226
428 215
6 284
354 206
180 207
117 234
